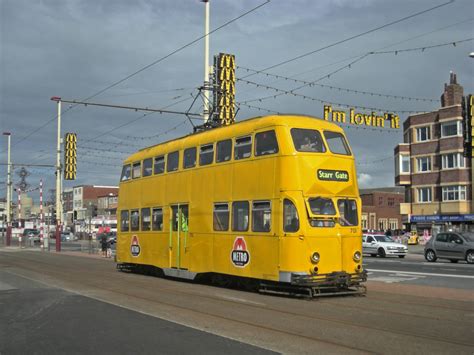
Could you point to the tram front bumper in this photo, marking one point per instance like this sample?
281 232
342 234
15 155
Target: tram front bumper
334 280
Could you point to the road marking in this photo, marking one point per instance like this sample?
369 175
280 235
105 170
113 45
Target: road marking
423 273
241 300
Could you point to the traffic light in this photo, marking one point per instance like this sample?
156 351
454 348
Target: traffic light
94 211
70 156
224 98
53 216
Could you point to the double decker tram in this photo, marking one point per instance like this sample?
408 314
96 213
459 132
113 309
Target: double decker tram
271 202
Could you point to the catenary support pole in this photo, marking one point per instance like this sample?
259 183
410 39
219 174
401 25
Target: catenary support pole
206 62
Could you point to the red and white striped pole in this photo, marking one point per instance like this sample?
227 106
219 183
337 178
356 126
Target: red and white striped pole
19 217
41 215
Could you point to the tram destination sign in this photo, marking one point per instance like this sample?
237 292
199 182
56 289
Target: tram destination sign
333 175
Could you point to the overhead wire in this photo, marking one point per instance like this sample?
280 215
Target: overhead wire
145 68
355 36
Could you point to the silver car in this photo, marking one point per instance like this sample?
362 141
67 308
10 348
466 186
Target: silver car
453 246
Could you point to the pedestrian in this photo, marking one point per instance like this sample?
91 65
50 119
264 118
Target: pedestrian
103 243
109 249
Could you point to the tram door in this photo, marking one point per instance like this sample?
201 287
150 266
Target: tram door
178 235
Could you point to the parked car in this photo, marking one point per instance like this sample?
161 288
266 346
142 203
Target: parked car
382 245
452 246
32 234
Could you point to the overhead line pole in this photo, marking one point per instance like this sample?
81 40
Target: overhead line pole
85 103
205 114
58 178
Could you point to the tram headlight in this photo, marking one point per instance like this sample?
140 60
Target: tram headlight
315 257
357 256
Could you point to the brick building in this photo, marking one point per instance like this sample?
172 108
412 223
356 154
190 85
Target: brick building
381 208
86 197
431 166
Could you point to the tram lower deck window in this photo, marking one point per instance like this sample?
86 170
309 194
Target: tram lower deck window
221 217
261 216
157 219
134 220
145 219
240 216
124 222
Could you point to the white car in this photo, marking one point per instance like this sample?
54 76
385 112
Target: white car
382 245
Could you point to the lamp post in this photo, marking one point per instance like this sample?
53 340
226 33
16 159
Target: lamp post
59 210
9 190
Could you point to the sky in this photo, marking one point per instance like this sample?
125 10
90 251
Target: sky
76 48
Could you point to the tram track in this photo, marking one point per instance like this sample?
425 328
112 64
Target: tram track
106 286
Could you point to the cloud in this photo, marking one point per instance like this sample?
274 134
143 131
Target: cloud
364 180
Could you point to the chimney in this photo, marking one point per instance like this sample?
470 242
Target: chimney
453 92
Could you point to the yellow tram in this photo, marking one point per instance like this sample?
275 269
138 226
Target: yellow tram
271 200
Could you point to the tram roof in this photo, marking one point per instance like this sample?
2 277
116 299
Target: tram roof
241 128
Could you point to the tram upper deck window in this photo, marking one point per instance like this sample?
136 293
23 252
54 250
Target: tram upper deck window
189 159
126 173
337 143
243 148
261 216
124 222
136 170
322 206
206 154
348 212
224 150
159 165
307 140
147 167
266 143
172 162
221 217
240 216
134 220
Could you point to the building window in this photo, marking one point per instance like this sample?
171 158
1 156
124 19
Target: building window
423 134
424 164
380 200
454 193
405 164
393 223
453 128
424 194
383 224
391 201
364 221
452 161
221 216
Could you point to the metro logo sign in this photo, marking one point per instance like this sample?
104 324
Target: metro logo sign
240 256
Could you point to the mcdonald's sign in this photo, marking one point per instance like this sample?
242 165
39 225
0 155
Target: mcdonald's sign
70 156
224 97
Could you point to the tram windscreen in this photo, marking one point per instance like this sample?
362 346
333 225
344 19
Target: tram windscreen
307 140
322 206
337 143
347 212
